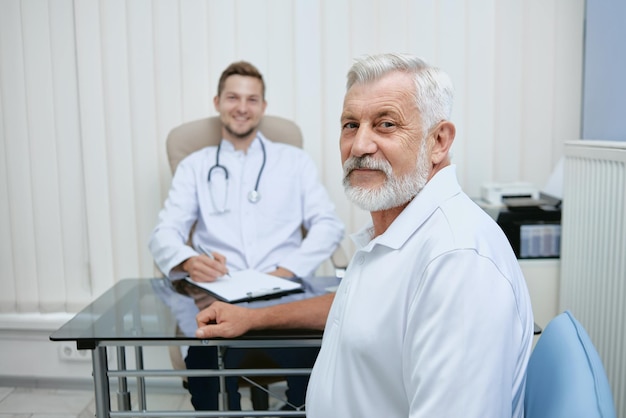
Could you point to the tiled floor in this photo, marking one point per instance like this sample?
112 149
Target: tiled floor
18 402
45 403
62 403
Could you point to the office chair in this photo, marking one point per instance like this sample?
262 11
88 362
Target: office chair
194 135
565 377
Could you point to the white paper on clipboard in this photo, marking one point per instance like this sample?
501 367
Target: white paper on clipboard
247 285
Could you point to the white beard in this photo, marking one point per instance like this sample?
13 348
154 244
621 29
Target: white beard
395 191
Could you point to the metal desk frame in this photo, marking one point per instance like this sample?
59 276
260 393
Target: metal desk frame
119 319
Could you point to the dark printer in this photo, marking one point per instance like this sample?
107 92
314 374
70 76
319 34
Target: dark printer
531 220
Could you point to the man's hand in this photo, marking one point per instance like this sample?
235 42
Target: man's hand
223 320
203 268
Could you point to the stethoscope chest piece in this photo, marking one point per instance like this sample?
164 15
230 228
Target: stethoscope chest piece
254 196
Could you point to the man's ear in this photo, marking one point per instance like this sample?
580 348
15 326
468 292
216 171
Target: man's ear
216 102
443 137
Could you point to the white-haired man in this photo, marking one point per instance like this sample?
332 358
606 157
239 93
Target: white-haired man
433 317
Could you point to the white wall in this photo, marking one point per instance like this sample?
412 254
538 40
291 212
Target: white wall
89 90
604 87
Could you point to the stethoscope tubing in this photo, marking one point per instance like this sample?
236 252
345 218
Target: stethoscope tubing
253 196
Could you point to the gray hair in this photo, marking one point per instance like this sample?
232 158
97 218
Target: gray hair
434 92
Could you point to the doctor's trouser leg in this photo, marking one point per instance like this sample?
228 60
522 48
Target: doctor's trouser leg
295 357
205 390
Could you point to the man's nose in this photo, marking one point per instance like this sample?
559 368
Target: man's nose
364 143
242 106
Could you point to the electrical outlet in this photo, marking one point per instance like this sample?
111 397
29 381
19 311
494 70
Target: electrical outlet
68 351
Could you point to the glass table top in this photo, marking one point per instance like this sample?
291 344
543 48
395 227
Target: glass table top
154 309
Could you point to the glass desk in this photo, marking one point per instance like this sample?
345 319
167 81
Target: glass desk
142 312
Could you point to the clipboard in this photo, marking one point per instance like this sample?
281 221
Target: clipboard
248 285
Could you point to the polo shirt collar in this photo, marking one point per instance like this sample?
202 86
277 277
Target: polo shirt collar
440 188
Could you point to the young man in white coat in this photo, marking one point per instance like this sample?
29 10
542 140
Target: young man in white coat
248 199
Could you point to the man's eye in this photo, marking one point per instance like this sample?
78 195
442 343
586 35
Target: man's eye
350 125
387 125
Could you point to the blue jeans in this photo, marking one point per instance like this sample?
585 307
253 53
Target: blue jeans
205 390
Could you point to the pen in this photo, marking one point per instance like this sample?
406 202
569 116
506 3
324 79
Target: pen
208 254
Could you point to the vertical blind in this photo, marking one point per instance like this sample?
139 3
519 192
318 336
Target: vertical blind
90 88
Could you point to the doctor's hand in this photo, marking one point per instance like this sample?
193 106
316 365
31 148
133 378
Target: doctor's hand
223 320
205 268
282 272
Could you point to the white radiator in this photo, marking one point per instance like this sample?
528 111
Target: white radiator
593 251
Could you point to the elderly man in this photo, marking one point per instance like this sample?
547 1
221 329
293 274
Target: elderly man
433 317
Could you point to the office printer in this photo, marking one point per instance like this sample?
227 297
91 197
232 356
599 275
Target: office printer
530 219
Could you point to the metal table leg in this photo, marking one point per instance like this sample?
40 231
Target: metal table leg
123 395
141 381
221 351
101 382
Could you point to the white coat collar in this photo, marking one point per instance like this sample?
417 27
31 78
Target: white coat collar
255 145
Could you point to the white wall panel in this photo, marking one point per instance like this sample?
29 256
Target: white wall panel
221 20
363 22
196 97
283 29
8 299
307 79
451 55
421 30
43 155
568 64
334 63
71 198
477 134
89 90
391 28
22 238
117 115
167 79
7 275
508 89
95 140
251 33
538 65
148 147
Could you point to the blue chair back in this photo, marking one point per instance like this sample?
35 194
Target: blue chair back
565 377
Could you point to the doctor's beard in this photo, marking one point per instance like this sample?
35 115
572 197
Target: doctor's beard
395 191
240 135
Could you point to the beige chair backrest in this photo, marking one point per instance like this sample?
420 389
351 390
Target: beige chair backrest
192 136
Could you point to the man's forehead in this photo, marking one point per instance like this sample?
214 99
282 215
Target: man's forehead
378 107
237 83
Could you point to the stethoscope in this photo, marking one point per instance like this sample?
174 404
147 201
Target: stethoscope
253 195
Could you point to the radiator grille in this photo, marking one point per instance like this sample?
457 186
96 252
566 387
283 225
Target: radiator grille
593 251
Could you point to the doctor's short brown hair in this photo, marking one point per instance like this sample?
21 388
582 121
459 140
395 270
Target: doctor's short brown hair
242 68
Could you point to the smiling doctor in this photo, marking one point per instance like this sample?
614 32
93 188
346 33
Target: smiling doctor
249 198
